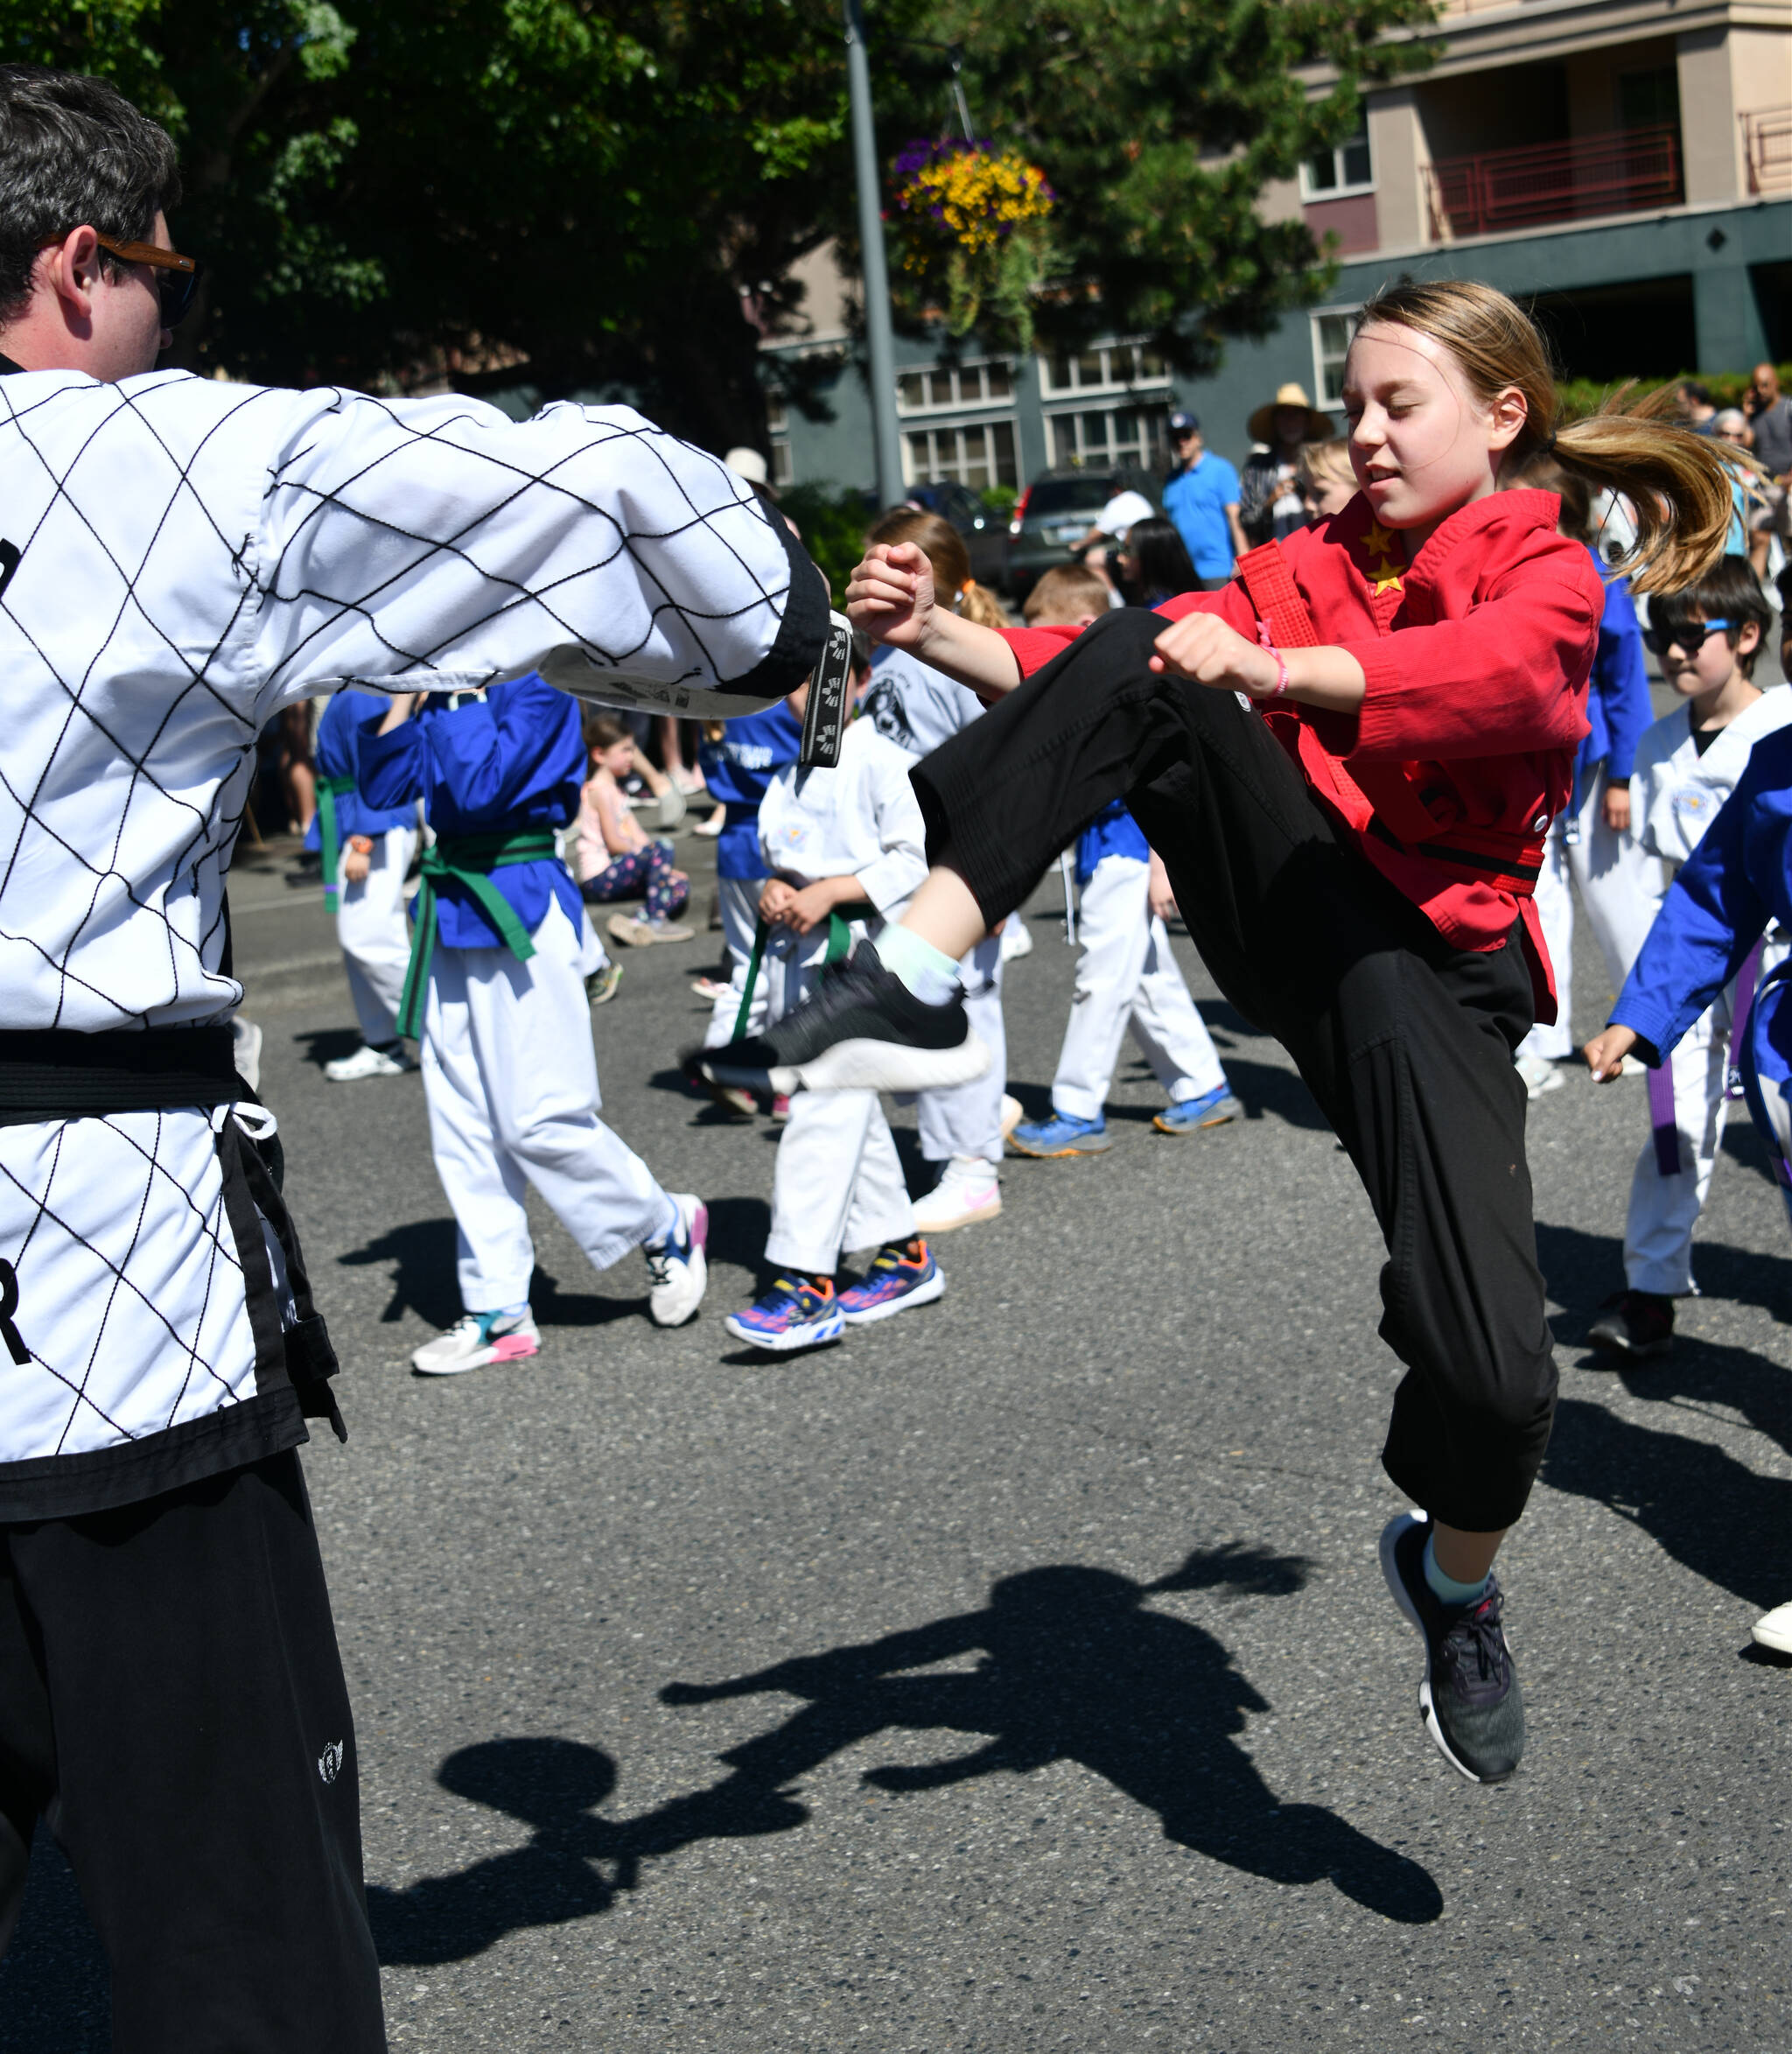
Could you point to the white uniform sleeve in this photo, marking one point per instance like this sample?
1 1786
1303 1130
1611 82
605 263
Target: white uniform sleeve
436 543
893 877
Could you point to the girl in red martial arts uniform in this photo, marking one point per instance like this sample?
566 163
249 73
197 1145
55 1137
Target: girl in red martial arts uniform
1348 759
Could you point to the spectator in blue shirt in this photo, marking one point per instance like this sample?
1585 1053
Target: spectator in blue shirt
1201 495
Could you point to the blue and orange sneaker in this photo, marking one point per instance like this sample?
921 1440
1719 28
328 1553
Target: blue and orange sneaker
797 1312
1189 1116
902 1273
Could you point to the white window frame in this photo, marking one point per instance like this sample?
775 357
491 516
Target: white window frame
1328 398
1310 194
778 428
1063 419
1111 387
935 430
908 411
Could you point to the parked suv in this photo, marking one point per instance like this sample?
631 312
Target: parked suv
984 534
1056 511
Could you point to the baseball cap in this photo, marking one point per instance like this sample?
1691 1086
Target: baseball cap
1184 424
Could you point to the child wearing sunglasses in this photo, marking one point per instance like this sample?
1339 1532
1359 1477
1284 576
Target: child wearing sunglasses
1707 637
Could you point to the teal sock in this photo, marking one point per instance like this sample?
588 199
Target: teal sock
1445 1588
917 966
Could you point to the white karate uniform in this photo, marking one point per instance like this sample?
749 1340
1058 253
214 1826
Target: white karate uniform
740 901
1620 886
1127 977
187 558
918 708
839 1182
375 937
511 1082
1679 793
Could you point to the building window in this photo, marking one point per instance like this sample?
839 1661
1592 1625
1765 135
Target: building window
976 456
1106 366
778 427
955 385
1329 173
1649 99
1331 344
1108 438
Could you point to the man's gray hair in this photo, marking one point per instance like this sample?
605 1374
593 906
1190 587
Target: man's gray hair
73 151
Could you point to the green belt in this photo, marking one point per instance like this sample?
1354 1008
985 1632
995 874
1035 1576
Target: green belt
469 858
839 947
329 790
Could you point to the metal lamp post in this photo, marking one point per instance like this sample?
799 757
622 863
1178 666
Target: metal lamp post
879 340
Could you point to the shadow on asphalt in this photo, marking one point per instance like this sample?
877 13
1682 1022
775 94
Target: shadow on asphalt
1582 1270
422 1255
321 1045
52 1985
1072 1668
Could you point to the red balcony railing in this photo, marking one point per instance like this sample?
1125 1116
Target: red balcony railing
1616 174
1766 145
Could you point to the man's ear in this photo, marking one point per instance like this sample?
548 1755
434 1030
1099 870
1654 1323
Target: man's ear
72 267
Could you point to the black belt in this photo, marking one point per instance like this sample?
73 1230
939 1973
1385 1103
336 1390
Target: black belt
54 1073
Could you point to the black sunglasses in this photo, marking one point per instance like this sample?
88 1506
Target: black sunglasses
1690 638
177 277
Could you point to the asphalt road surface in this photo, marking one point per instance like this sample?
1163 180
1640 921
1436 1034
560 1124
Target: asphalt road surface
1018 1675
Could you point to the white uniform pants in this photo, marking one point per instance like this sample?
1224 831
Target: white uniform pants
967 1120
376 938
740 901
1127 977
839 1182
511 1082
1664 1210
1621 887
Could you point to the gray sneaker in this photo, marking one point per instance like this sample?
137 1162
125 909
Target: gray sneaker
1470 1699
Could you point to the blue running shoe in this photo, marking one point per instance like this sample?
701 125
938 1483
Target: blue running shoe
1063 1134
797 1312
902 1273
1213 1109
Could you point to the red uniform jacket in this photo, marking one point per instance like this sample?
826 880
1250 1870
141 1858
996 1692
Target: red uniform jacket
1477 658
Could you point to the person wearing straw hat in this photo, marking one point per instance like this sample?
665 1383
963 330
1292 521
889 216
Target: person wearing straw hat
1270 499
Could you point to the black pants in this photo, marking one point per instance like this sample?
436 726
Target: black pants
1406 1042
171 1700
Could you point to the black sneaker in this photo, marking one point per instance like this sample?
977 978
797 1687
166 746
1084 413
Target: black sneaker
862 1030
1635 1322
1472 1707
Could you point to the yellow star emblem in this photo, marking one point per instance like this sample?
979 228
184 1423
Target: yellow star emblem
1388 581
1379 539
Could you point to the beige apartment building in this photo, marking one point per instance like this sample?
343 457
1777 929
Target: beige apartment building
1625 165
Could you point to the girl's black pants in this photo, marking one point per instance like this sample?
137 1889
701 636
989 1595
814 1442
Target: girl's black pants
1406 1042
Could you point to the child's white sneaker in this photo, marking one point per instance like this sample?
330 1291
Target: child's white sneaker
1539 1075
477 1338
1776 1630
969 1190
678 1272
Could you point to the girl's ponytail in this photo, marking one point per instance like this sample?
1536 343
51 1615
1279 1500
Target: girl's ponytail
978 604
1678 484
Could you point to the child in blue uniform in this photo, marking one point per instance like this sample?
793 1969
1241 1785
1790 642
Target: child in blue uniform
509 1070
739 758
367 853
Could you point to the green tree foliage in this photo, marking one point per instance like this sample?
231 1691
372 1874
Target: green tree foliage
607 195
1158 123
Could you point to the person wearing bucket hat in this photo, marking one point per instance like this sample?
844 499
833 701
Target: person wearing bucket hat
1271 504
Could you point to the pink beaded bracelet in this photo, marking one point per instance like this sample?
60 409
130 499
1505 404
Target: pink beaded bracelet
1263 641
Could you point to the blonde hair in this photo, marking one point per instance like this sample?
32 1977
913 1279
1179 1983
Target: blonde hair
1677 484
1065 593
1332 460
944 547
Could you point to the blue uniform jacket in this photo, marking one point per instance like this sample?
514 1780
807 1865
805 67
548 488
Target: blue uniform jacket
1618 704
1112 833
1718 907
501 764
339 756
736 769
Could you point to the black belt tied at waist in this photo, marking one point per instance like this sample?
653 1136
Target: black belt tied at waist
54 1074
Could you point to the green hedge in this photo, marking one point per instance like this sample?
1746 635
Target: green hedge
833 524
1580 396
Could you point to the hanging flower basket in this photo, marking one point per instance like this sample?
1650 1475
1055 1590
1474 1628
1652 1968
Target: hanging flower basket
973 223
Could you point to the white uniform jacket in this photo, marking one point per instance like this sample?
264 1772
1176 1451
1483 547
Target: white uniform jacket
1675 792
179 559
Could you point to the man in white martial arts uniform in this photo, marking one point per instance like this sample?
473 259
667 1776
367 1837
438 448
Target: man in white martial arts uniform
180 559
917 709
367 853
